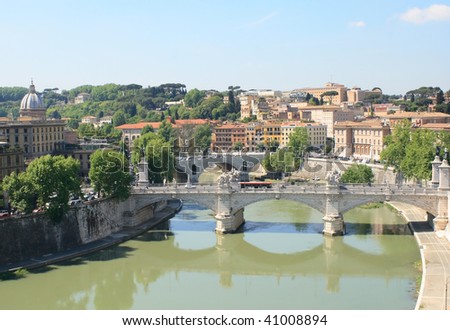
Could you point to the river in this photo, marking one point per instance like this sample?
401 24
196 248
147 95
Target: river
278 261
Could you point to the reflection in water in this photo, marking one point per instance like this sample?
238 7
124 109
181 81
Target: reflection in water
279 261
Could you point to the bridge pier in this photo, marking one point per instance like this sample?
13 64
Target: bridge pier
227 219
333 220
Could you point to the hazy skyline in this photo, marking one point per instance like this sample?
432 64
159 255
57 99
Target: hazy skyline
395 45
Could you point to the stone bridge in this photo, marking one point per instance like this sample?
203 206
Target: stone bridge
228 199
195 165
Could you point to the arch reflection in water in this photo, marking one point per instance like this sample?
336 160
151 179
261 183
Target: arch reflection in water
279 261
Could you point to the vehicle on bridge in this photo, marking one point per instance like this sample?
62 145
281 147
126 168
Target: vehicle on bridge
255 184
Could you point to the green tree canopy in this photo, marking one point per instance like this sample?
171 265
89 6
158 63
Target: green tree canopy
358 173
194 97
281 161
298 141
109 174
202 136
159 155
48 183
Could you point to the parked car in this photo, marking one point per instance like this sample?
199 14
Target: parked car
3 213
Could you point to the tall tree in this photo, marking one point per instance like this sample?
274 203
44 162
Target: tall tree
109 173
298 141
358 173
418 155
395 150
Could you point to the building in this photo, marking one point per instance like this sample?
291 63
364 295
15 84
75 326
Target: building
271 133
356 95
82 97
329 115
361 140
417 119
11 159
317 92
32 107
254 136
225 137
317 133
89 120
32 133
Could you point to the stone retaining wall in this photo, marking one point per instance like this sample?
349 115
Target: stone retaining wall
36 235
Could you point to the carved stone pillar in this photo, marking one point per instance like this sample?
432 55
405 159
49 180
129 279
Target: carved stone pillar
444 176
435 172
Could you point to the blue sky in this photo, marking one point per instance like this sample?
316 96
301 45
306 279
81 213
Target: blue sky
397 45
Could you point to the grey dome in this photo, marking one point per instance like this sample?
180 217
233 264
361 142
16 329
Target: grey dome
32 100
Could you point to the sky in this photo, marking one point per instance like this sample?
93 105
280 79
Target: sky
397 45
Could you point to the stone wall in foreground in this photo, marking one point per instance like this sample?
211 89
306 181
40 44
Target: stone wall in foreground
36 235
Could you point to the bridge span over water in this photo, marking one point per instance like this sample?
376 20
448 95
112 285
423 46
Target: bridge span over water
228 199
228 203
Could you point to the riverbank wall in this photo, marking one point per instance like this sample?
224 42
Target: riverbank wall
32 236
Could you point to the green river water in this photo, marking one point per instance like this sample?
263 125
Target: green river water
278 261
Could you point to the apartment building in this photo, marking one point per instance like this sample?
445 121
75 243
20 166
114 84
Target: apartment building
225 137
356 95
317 133
254 136
317 92
329 115
417 119
363 140
271 132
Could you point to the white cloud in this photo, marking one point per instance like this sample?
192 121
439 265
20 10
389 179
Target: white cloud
357 24
431 13
262 20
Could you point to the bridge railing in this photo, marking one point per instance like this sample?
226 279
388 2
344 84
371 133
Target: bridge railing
306 188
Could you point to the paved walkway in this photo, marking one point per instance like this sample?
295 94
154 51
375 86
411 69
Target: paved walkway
435 252
173 206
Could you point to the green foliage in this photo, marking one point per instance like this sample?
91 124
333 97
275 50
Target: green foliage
418 155
147 129
159 155
21 193
166 131
358 173
281 161
411 151
194 97
202 136
12 93
48 183
395 150
109 174
119 118
238 146
298 141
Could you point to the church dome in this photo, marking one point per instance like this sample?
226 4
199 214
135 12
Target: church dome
32 100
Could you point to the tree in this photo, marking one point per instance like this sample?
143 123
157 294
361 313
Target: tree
147 129
159 155
418 155
21 193
166 131
202 136
281 161
358 173
329 95
298 141
440 97
54 179
395 150
238 146
194 97
119 118
48 183
109 174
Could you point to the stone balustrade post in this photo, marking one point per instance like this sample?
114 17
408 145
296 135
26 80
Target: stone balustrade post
227 219
435 172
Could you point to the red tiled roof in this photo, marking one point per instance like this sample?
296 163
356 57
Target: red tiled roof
140 125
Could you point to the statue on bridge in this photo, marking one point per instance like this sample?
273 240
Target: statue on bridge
333 177
226 178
